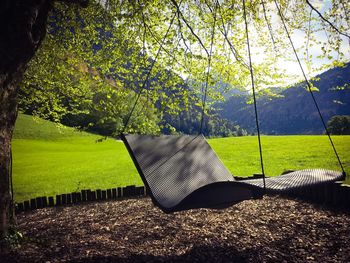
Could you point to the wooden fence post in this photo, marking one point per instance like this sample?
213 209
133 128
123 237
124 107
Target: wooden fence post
129 191
84 195
99 194
88 195
69 198
51 201
39 203
19 207
109 193
58 200
44 201
125 192
64 199
32 204
78 197
103 195
114 193
93 195
26 205
140 191
346 195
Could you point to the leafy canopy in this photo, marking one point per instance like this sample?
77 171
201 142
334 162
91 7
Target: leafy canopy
97 59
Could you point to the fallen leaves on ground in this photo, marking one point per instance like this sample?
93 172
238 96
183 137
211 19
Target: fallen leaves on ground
272 229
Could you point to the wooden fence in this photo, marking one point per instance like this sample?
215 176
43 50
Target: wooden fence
332 194
82 196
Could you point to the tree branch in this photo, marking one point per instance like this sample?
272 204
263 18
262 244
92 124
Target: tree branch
232 47
189 27
159 41
268 25
82 3
326 20
181 34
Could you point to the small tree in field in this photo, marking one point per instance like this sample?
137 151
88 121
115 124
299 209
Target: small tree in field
339 125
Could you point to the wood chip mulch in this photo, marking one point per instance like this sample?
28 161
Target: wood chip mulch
272 229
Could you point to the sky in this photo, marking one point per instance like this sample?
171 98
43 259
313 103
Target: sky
293 67
290 65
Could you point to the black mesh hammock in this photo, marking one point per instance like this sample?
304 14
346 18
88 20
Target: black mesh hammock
183 172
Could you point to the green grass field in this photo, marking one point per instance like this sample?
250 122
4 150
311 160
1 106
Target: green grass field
50 159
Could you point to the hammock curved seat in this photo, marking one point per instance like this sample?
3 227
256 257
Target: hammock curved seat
297 180
183 172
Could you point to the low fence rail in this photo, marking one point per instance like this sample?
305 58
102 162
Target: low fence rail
82 196
331 194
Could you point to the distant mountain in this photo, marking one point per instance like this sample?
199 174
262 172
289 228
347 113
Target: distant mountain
294 111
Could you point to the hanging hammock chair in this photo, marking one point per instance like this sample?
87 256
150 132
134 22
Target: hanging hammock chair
183 172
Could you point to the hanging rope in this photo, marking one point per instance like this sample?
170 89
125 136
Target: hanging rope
254 96
148 73
10 172
12 205
268 25
310 88
208 70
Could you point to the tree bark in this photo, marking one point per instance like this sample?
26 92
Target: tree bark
22 28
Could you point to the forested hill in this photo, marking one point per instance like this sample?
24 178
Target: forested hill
294 111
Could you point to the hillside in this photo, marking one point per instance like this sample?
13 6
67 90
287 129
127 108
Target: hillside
50 159
294 111
31 128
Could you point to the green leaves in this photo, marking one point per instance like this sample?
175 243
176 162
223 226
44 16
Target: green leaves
95 59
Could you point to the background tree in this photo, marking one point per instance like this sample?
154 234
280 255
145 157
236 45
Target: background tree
138 28
339 125
59 87
23 27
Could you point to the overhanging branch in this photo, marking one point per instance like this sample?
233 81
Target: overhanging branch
326 20
189 27
82 3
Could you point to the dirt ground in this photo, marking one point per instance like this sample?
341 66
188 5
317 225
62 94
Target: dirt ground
272 229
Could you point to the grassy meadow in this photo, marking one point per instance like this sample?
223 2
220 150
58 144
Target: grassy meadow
50 159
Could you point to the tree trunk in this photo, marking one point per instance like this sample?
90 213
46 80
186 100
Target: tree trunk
22 28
